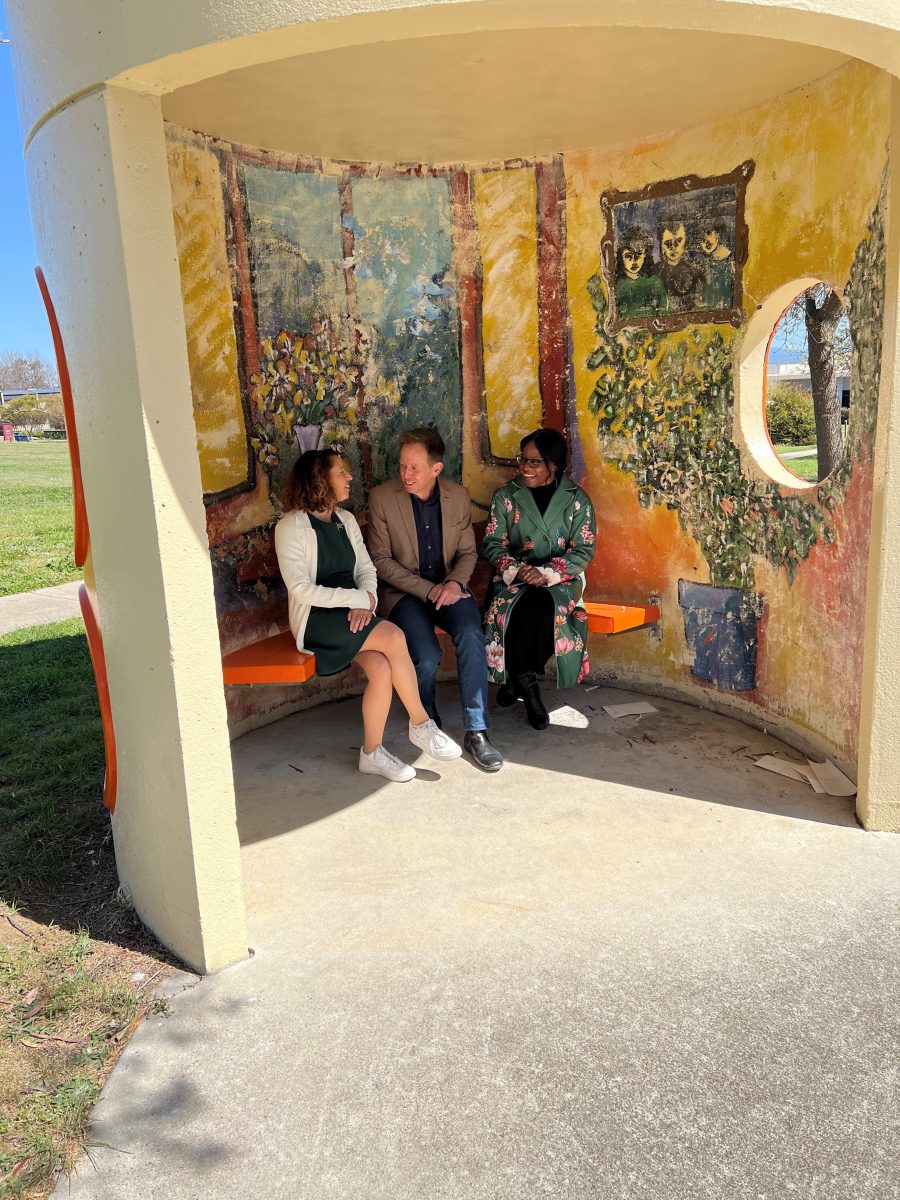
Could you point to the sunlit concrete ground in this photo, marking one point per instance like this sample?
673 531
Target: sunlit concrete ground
630 965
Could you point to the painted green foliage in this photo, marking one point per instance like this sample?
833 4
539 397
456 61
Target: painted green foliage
664 405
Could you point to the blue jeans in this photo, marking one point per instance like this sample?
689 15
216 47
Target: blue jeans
462 621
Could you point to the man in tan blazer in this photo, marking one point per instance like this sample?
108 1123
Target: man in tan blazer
422 543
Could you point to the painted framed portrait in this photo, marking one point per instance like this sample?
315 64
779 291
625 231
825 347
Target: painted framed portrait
673 253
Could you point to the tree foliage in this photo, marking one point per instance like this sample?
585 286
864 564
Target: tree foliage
817 330
34 412
790 415
21 372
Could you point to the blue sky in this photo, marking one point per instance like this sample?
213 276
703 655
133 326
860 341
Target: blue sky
23 325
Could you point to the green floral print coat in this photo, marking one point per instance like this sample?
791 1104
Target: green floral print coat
561 543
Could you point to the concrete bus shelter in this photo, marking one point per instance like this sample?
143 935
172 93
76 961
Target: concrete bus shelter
447 180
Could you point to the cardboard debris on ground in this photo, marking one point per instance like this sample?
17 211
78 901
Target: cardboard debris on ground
824 777
628 710
569 717
834 781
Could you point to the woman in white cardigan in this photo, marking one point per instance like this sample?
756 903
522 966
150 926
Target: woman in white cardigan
331 586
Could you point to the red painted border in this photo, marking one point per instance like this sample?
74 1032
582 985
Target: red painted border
86 599
552 306
82 536
88 603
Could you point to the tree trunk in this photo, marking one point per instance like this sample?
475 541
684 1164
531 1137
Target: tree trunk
821 324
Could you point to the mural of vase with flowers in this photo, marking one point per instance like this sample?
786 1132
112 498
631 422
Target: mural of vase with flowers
305 396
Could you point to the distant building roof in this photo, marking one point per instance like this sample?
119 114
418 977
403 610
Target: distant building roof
15 393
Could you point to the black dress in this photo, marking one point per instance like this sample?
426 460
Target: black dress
529 634
328 633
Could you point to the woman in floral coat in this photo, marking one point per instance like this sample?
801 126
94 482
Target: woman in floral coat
539 538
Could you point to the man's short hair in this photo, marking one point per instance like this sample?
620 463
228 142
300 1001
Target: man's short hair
429 438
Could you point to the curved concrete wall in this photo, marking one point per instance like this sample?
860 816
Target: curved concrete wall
91 76
790 561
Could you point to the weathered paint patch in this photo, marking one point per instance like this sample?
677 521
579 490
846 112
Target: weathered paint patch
505 207
199 215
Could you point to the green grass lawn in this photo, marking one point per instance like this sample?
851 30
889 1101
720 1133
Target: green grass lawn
76 967
35 516
806 468
51 757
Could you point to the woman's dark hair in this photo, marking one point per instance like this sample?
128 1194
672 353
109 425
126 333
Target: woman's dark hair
551 446
636 239
308 487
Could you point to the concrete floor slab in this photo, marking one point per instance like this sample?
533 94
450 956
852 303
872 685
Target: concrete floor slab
631 965
42 607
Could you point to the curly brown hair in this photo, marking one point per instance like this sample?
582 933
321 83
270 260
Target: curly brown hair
308 487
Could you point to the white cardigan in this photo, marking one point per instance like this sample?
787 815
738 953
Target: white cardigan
298 561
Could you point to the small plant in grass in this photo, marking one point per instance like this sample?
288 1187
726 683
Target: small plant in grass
790 415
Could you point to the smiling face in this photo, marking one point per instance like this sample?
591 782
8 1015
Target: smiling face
340 479
535 470
633 260
673 243
417 472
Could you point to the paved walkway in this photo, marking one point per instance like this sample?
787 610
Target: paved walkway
630 966
42 607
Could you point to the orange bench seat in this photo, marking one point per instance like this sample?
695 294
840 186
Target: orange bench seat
618 618
273 659
276 659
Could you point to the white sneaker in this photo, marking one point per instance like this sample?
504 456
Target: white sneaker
382 762
433 741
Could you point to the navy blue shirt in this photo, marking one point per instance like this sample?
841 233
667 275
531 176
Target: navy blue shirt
430 532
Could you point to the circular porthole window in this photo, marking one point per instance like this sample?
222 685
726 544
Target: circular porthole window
797 362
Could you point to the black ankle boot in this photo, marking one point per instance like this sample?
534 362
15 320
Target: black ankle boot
538 717
507 693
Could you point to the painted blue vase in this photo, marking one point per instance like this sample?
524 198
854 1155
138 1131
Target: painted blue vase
720 627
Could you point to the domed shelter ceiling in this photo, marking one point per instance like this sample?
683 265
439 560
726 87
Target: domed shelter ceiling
495 94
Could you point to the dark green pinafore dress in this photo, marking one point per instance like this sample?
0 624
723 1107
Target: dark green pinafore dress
328 632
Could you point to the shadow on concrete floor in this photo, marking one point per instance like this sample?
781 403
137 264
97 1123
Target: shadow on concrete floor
680 753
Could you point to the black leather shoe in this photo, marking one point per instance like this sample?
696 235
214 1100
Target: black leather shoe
507 694
538 717
487 756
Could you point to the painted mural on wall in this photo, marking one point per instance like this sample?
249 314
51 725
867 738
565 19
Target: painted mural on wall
325 301
357 321
674 251
664 405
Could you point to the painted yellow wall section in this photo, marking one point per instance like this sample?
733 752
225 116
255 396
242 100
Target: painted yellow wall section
505 207
819 154
199 213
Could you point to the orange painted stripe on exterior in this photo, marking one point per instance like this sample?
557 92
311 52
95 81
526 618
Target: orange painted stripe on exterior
618 618
88 602
82 534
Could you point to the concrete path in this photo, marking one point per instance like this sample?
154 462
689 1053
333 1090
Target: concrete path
630 966
42 607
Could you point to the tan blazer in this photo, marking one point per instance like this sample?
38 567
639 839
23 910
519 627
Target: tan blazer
394 547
